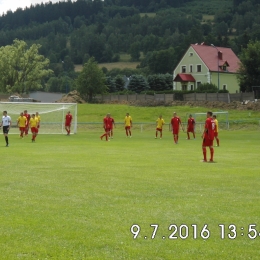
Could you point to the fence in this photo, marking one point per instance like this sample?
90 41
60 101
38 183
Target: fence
224 97
148 127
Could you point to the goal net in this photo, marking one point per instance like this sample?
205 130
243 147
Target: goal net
200 118
52 115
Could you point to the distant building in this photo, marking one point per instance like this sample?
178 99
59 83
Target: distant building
207 64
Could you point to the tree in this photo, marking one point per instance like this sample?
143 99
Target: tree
91 80
159 82
207 87
119 83
138 84
162 61
249 70
22 69
110 84
135 51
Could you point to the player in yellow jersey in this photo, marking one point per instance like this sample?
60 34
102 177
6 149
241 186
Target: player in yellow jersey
38 117
160 122
216 129
21 123
33 123
128 125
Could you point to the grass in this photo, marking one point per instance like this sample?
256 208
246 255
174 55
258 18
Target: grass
151 15
113 65
95 113
206 17
119 65
77 197
124 63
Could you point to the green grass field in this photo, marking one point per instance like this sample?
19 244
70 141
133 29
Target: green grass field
76 197
124 63
151 15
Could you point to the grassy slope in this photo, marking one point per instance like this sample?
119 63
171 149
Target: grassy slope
95 113
124 63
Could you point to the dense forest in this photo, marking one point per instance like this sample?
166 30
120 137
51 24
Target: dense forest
161 30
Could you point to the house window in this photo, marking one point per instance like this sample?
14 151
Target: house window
190 68
198 68
191 87
184 87
224 68
198 83
191 54
224 87
183 69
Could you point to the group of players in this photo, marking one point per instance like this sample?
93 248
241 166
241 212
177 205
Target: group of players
26 121
209 134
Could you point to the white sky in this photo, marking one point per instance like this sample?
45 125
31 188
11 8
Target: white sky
6 5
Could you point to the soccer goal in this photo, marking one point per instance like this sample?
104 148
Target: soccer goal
200 119
52 115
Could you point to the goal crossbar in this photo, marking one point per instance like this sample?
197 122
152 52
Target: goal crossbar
224 118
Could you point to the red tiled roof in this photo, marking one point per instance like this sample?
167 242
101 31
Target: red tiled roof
181 77
209 56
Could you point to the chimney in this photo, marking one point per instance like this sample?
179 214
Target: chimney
220 55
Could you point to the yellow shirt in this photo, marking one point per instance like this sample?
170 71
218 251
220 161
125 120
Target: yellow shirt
33 122
160 122
38 118
128 121
216 126
21 121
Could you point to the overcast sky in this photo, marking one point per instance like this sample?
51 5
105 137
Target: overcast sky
6 5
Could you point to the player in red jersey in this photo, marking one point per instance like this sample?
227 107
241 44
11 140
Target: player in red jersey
208 137
112 127
190 127
107 125
68 120
176 123
27 122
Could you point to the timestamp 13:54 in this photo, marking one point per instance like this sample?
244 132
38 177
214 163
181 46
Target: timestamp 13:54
183 231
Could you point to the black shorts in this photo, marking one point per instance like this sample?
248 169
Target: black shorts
6 129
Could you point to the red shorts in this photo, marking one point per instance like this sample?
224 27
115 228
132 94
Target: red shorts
190 129
159 129
127 127
34 129
67 124
216 134
175 132
107 129
22 129
37 130
207 142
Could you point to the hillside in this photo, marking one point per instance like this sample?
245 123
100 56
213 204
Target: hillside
71 32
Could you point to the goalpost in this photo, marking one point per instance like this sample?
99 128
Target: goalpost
52 115
200 119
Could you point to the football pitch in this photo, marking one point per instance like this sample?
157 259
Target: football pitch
77 197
